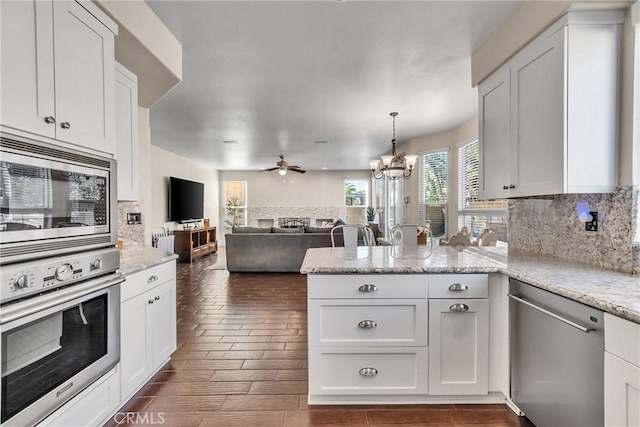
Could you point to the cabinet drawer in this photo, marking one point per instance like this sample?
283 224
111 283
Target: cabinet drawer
396 322
367 286
622 338
394 370
149 278
456 286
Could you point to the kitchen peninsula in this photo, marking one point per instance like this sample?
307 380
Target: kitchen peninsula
388 326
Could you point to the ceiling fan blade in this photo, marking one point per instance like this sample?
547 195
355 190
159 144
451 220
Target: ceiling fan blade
270 169
293 167
297 170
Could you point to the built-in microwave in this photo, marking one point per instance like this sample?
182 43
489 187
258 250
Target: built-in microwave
53 201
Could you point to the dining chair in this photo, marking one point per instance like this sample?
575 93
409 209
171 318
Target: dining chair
350 235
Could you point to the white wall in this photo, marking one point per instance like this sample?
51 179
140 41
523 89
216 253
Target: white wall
450 140
314 188
164 164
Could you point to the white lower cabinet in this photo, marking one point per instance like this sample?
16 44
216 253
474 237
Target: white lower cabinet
458 346
621 372
148 322
386 336
90 407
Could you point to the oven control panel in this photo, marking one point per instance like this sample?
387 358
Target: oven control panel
23 279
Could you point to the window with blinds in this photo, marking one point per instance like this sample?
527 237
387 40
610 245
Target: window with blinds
432 206
235 203
474 213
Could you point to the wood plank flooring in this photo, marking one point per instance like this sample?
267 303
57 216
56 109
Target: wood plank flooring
242 361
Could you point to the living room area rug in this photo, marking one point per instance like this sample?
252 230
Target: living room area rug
221 260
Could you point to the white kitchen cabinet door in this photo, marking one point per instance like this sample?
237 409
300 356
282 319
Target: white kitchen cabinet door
26 61
136 357
458 347
127 151
84 78
162 321
621 392
537 105
494 135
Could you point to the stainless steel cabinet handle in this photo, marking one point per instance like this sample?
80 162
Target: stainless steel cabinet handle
152 278
157 298
458 287
368 372
49 119
150 301
65 125
367 324
519 299
368 288
505 187
511 187
459 307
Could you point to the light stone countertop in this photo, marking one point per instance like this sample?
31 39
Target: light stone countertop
137 258
610 291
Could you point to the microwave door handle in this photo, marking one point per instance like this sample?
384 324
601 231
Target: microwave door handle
35 305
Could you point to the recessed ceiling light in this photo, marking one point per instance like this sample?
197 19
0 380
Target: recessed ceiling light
320 142
231 142
324 168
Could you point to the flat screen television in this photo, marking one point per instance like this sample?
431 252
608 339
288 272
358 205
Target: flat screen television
186 200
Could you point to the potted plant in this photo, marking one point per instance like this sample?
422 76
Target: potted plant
371 213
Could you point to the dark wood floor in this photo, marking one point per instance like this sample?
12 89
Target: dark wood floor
242 361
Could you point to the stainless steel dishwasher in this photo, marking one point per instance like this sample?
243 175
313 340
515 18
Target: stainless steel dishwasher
557 358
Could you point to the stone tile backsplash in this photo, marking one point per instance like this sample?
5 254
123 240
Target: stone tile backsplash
550 225
133 235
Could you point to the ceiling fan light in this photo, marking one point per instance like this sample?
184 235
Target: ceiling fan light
282 171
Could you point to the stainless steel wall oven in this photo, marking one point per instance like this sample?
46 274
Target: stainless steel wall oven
53 200
59 285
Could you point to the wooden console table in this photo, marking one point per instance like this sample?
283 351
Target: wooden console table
190 244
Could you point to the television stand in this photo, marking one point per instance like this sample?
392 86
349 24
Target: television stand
190 244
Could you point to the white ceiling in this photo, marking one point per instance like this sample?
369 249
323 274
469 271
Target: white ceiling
277 76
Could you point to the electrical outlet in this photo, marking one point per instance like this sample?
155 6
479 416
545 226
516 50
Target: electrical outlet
593 224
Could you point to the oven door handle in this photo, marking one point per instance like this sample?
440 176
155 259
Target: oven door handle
13 312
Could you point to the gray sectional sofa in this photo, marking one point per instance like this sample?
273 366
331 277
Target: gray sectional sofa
277 250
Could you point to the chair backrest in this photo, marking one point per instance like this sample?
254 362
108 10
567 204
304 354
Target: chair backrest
349 235
368 238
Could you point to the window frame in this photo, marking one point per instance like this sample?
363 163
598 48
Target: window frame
367 191
422 204
245 206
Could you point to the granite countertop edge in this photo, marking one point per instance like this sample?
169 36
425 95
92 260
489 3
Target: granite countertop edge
138 258
621 303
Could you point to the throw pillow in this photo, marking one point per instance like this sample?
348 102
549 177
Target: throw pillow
287 230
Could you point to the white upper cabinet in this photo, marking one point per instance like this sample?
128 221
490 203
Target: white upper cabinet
494 106
58 72
548 117
127 153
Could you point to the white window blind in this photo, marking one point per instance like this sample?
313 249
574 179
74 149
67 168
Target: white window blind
474 213
433 191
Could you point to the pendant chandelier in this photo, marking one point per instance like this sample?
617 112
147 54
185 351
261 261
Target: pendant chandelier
395 165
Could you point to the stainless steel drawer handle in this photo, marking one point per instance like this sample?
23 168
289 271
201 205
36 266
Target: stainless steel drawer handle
152 279
65 125
458 287
368 288
368 372
521 300
367 324
157 298
49 119
459 307
150 301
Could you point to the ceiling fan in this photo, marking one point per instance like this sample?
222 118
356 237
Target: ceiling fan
283 167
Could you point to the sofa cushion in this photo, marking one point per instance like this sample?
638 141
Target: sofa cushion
241 230
309 229
287 230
